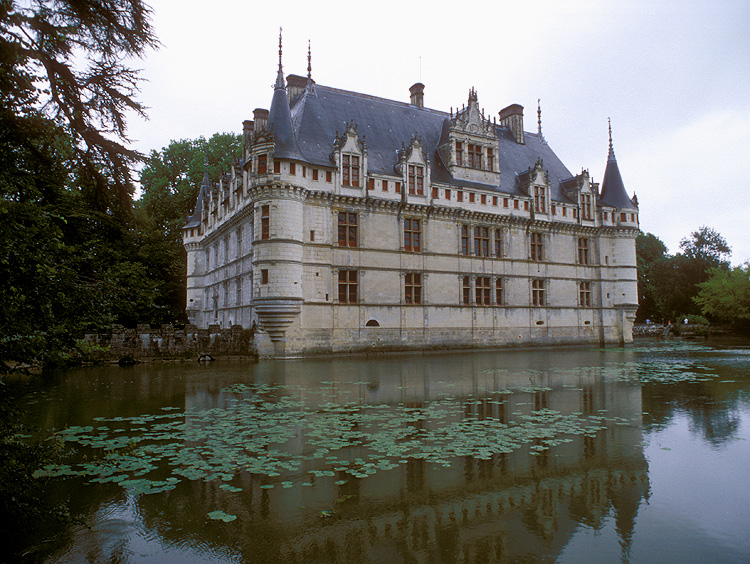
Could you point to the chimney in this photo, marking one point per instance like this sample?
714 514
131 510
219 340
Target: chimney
247 130
512 118
295 85
261 119
417 95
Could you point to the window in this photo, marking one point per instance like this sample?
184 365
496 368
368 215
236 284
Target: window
371 184
540 202
515 204
262 164
239 291
435 194
499 292
623 217
416 180
413 288
475 156
348 286
315 174
304 171
482 241
350 171
494 201
484 198
498 243
265 222
293 169
459 153
385 185
397 188
264 276
347 229
505 202
329 176
537 292
276 166
412 235
482 290
239 242
536 247
464 239
586 206
459 196
490 159
471 197
208 259
583 251
584 294
226 249
466 290
447 194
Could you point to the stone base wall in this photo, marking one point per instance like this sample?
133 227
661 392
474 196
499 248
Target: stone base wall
169 342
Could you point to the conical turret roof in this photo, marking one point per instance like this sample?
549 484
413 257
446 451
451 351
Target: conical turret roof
280 118
613 192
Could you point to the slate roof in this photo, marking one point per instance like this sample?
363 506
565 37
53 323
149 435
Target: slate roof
195 219
613 192
318 115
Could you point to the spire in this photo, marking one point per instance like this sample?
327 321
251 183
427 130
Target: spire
539 119
613 192
206 180
309 86
280 75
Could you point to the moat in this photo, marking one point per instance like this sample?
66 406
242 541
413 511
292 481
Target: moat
573 455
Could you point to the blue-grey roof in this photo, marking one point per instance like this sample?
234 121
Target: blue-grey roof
318 115
613 192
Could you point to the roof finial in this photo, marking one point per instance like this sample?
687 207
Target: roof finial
309 61
611 156
539 118
280 76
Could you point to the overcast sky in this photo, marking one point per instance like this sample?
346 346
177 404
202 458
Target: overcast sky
674 77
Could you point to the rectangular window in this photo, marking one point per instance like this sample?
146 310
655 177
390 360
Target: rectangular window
537 292
494 201
526 206
515 204
385 185
459 153
482 241
466 290
350 171
348 286
416 180
499 292
262 164
447 194
304 171
398 188
623 217
554 209
540 201
490 159
471 197
498 243
464 239
435 194
482 290
239 242
475 156
265 222
584 294
505 202
293 169
586 206
413 288
412 235
276 166
239 291
315 174
484 198
583 251
347 229
536 247
329 176
459 196
264 276
565 211
371 184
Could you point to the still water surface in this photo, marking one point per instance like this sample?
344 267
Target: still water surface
632 455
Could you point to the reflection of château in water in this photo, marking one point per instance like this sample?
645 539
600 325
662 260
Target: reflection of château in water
493 510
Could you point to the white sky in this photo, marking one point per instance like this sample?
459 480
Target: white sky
674 76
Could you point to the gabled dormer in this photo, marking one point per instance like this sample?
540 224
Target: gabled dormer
350 158
414 168
581 190
469 146
534 182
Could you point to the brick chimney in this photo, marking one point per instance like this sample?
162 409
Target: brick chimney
417 95
260 117
512 118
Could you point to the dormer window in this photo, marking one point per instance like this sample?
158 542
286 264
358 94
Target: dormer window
350 171
540 199
490 159
459 153
586 206
475 156
416 180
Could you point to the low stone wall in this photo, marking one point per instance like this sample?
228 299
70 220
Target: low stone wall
169 342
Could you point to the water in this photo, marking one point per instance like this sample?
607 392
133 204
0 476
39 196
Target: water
619 455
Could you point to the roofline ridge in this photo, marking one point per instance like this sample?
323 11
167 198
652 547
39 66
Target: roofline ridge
379 98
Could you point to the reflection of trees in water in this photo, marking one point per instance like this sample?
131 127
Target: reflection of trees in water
713 408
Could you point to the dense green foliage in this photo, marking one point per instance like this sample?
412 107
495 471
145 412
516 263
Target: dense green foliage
725 296
668 284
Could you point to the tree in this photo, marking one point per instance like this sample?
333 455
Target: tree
171 180
707 246
649 250
725 296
